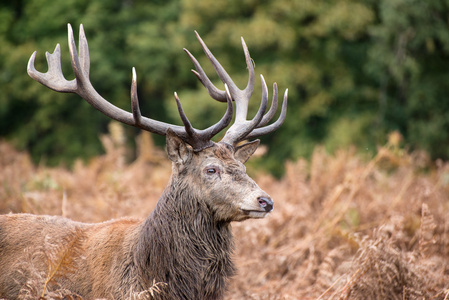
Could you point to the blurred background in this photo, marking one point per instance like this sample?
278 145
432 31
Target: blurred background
356 70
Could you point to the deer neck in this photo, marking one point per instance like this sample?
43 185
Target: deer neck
180 244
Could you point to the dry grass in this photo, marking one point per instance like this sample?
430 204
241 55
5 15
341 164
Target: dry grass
343 227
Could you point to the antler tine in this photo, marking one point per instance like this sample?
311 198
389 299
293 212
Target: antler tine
188 126
273 108
135 107
213 91
227 117
53 78
84 51
248 91
273 126
237 94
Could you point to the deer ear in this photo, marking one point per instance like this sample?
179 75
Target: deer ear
178 151
244 152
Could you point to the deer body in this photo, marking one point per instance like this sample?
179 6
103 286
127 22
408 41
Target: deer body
185 243
184 246
22 233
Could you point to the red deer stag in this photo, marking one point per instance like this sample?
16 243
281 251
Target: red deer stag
185 244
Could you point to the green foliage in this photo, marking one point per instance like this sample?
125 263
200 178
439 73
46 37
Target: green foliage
355 69
408 60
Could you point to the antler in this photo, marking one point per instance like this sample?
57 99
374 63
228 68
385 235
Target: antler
242 128
81 85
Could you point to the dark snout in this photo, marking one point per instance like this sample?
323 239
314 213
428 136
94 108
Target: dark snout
266 203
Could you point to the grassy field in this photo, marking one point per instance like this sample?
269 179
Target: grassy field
344 226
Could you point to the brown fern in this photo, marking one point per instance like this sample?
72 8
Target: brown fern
327 275
384 272
427 227
150 293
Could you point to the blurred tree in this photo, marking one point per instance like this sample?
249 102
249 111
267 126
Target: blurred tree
355 69
55 126
409 61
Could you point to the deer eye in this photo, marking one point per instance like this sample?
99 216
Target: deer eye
211 170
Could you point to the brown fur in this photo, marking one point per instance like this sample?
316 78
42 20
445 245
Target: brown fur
186 243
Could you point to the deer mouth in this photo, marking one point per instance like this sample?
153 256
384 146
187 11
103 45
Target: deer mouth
256 214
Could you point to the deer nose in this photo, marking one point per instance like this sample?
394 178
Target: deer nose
266 203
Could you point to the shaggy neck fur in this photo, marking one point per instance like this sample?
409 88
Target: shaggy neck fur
182 245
